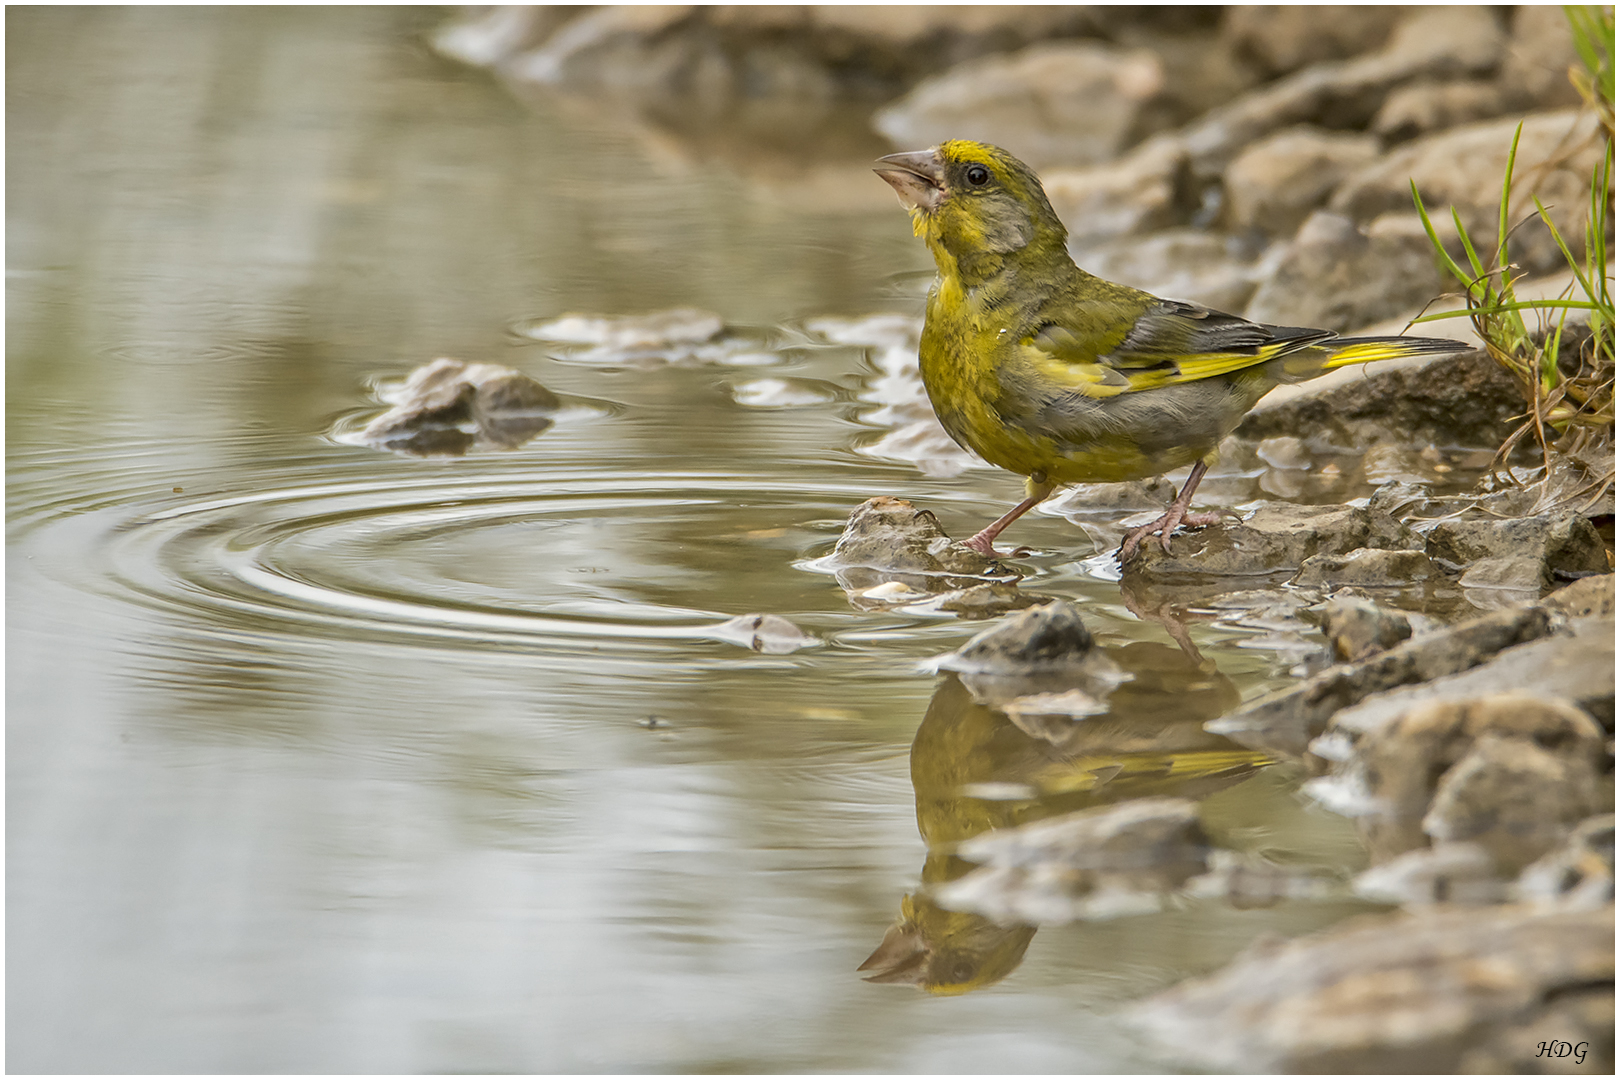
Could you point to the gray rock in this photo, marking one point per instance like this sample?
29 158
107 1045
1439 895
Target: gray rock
989 599
1573 661
1275 183
1278 40
1459 400
1393 463
1144 190
1335 276
890 534
1367 568
1541 48
1153 494
1276 537
1248 881
1460 873
1284 452
1403 993
1572 1033
1426 107
1287 720
1564 543
1428 43
1521 573
1588 598
1064 103
1463 167
1047 638
1579 874
1094 864
1516 797
1358 628
447 407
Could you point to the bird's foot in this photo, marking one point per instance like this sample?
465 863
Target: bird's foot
984 544
1164 525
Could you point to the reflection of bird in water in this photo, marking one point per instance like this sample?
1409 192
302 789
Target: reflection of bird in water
968 758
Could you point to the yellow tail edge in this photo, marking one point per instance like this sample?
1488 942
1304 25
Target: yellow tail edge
1348 351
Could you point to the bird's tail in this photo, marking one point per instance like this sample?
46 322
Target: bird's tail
1341 352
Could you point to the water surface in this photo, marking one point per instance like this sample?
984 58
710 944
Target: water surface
326 759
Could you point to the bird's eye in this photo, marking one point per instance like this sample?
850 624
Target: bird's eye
978 175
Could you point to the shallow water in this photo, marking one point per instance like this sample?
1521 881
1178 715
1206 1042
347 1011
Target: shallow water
326 759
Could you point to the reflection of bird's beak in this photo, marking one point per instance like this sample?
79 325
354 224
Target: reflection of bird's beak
903 956
918 178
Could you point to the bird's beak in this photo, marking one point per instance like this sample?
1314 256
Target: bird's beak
918 178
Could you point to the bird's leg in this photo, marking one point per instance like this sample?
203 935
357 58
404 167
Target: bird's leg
1170 519
984 541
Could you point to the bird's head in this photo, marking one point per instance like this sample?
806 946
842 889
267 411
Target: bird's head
974 201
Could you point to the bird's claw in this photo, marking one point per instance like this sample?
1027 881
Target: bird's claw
987 548
1164 525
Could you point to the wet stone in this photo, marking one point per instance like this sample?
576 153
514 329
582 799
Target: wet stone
1511 771
1516 797
1412 992
769 634
989 599
1573 661
1286 721
1040 650
448 407
1521 573
1579 874
1094 864
1047 638
1368 568
1588 598
1274 538
1564 544
1358 628
890 534
1460 873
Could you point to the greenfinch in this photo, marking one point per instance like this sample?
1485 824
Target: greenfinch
1053 373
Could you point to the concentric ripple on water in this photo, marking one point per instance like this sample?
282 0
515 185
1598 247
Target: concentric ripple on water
510 551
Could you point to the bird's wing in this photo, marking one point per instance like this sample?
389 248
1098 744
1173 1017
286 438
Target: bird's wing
1171 342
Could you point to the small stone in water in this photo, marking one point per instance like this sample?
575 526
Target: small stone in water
769 634
446 407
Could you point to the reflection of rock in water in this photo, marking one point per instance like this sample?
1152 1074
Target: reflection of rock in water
447 407
974 771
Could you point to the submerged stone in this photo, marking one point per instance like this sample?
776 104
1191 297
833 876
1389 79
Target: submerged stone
769 634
